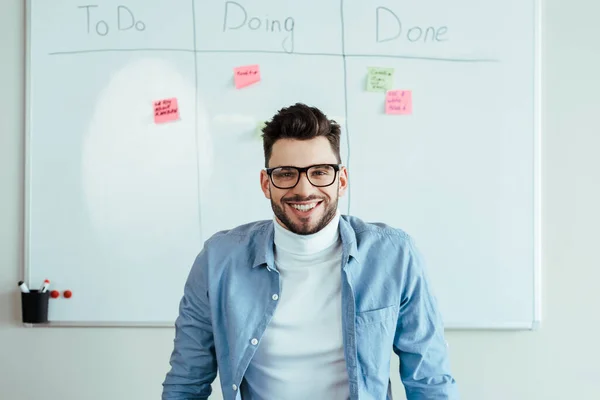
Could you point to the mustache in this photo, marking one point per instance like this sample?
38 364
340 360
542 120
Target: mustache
299 199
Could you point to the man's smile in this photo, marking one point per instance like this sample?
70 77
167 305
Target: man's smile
305 207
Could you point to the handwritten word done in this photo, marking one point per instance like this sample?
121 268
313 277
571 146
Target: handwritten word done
390 27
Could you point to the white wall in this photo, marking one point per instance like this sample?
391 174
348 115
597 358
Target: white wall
560 361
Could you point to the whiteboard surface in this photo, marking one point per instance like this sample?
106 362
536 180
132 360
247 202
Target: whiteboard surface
118 206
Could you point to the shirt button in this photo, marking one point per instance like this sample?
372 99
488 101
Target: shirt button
254 341
275 297
234 387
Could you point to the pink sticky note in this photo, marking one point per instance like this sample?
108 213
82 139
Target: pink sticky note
166 110
398 102
246 75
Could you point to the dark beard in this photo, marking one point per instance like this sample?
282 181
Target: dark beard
303 229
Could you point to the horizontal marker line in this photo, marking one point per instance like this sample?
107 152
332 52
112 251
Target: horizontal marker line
57 53
405 57
451 59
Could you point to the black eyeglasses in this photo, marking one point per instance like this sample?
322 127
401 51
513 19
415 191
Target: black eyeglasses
320 175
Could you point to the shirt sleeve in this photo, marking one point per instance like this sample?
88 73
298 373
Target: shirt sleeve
193 360
419 340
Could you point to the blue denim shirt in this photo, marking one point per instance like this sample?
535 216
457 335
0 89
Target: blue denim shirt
387 305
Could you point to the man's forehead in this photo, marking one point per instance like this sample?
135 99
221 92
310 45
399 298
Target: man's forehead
302 153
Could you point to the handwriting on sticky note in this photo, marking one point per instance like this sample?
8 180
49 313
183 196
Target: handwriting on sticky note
246 75
166 110
380 79
398 102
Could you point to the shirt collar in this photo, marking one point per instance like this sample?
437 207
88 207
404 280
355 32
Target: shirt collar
290 242
265 254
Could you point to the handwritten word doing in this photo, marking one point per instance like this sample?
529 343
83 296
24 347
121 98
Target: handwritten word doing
392 24
240 21
124 16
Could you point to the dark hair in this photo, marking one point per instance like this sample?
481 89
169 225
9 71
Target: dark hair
300 122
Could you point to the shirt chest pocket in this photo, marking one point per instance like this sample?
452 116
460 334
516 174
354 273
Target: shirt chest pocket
375 330
380 315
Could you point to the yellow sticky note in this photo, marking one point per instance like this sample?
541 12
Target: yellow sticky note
380 79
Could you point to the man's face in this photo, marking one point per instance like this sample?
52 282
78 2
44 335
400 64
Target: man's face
286 202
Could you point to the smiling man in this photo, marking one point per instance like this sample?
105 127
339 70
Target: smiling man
311 304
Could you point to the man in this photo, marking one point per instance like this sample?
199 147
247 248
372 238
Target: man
309 305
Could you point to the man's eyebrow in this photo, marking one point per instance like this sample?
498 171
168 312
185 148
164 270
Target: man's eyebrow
310 165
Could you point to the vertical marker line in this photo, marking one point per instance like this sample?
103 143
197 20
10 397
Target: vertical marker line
196 121
345 98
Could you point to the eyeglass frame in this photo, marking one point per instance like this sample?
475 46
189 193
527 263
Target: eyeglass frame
336 168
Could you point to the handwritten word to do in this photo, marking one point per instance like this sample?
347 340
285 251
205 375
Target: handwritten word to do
166 110
398 102
124 19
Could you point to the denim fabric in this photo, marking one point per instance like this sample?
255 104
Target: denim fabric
387 307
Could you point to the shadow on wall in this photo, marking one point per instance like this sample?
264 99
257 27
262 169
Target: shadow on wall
10 310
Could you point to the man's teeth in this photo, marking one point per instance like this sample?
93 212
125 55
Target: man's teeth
304 207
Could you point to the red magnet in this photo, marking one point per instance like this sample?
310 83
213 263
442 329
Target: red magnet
67 294
55 294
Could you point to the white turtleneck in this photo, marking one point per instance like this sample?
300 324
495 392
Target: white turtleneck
301 354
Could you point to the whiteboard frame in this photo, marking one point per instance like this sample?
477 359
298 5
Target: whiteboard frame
537 196
27 166
537 169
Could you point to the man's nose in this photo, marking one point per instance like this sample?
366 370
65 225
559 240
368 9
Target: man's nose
304 185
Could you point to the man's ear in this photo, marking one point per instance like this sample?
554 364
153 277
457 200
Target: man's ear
343 181
265 183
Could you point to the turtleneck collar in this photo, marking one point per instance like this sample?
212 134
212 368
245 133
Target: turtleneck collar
293 243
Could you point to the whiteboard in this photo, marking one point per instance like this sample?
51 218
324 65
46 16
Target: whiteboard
118 206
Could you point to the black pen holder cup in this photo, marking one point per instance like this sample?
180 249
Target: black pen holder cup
34 307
